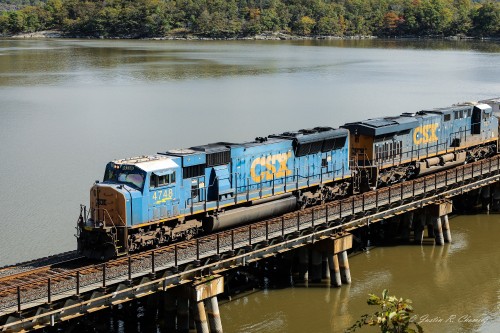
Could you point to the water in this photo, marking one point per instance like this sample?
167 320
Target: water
67 107
454 288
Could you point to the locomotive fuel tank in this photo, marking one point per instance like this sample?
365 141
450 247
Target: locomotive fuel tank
249 214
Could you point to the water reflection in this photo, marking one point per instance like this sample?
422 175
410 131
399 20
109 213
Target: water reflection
46 62
409 43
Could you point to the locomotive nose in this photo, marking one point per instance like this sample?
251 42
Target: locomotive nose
108 205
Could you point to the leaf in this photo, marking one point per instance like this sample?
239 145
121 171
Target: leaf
373 299
384 294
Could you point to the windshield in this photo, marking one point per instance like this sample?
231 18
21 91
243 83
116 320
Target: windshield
135 179
132 178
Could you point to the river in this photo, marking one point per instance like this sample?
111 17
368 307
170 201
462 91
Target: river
67 107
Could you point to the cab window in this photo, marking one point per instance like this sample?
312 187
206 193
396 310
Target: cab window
158 181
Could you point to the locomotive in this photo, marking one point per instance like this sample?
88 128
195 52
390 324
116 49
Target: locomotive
156 199
393 149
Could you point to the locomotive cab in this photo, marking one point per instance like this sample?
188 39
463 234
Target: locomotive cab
133 193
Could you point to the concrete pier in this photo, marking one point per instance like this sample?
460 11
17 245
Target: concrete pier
438 230
203 292
345 272
200 318
438 212
213 314
333 264
445 224
335 249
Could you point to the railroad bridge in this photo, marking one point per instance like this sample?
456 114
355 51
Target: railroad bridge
190 274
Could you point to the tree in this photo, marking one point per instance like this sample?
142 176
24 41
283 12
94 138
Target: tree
275 17
395 315
391 22
329 18
4 23
16 21
306 24
487 19
57 12
462 17
35 18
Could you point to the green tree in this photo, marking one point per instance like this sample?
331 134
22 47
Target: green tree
487 19
462 17
329 18
394 316
437 16
16 21
252 21
360 16
57 13
275 16
4 23
35 18
306 25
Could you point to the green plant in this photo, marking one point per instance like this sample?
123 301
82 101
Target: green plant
395 315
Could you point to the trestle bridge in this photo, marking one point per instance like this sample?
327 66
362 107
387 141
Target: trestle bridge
34 295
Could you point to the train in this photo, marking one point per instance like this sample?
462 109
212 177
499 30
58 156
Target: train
152 200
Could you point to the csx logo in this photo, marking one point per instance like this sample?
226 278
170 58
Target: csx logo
425 134
263 168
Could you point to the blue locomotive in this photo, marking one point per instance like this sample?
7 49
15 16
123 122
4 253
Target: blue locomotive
392 149
156 199
150 200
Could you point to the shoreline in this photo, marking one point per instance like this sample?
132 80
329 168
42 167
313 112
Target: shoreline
263 36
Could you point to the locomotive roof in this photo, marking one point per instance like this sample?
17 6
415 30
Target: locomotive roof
380 126
148 162
446 110
389 125
312 134
303 135
218 147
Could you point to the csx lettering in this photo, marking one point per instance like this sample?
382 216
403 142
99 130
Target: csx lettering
425 134
269 166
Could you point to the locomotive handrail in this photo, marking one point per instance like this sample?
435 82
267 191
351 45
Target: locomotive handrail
110 219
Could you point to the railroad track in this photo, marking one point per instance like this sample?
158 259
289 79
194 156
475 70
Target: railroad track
32 264
43 282
32 273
